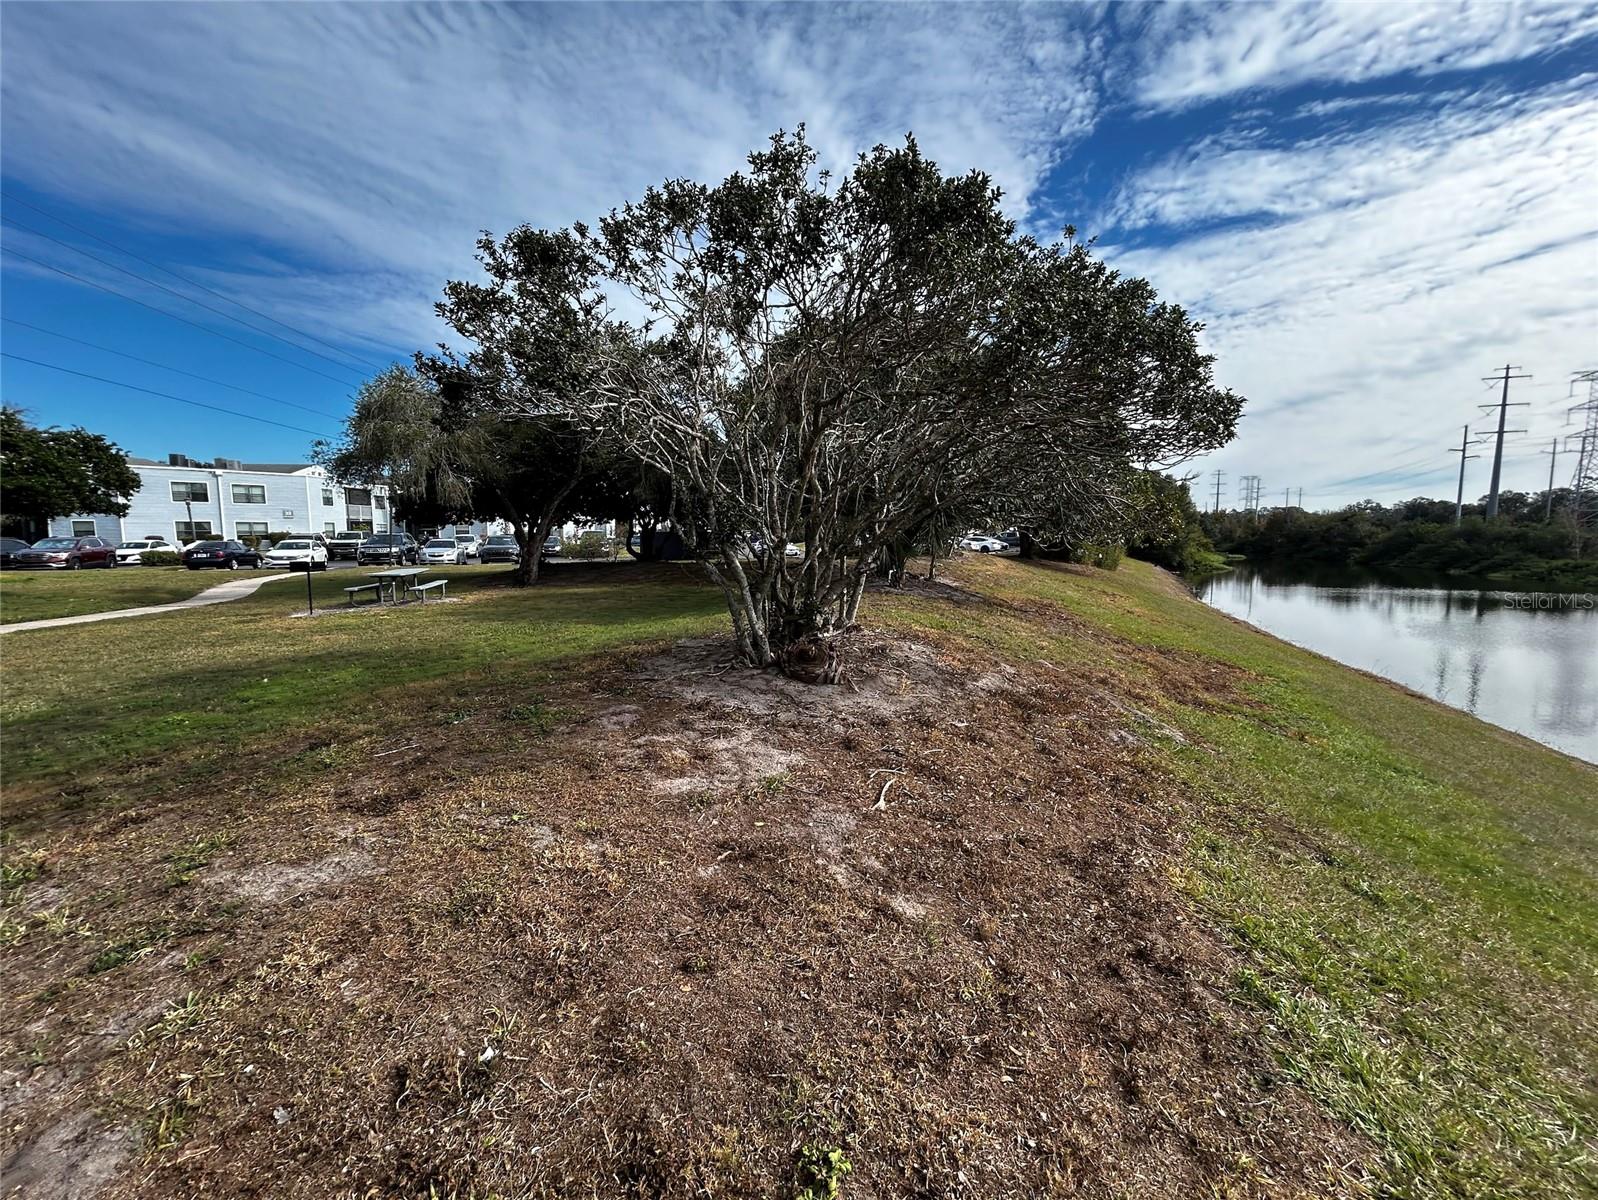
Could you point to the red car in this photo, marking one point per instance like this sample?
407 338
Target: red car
67 554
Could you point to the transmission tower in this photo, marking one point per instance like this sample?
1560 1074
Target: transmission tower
1503 406
1464 447
1219 475
1584 482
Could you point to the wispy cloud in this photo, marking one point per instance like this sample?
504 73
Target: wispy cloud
333 163
369 143
1198 52
1397 266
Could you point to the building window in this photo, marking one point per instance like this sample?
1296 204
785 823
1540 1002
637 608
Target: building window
329 527
361 526
360 497
192 531
249 493
249 529
197 493
83 529
380 502
327 497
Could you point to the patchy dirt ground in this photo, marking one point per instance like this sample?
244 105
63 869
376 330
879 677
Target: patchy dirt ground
690 931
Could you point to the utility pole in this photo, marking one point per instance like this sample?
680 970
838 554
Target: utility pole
1459 497
1300 497
1548 499
1503 407
1219 475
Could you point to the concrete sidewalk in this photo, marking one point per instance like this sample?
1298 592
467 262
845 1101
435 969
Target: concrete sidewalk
233 589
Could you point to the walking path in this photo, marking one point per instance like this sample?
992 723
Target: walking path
233 589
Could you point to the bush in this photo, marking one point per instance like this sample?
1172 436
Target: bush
158 558
590 545
1106 556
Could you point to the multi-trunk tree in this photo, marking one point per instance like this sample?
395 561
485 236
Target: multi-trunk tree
828 372
841 368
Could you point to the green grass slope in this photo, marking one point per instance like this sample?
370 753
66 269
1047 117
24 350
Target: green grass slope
1414 889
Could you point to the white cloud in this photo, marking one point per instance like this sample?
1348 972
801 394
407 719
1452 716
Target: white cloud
1402 265
352 152
370 143
1198 52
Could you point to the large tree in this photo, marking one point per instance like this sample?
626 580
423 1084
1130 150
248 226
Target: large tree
441 437
841 369
47 473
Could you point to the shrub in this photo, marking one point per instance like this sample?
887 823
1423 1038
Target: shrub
158 558
590 545
1105 556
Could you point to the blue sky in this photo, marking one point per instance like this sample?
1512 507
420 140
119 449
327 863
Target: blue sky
1370 205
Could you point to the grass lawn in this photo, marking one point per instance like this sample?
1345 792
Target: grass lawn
36 595
1414 889
227 677
1405 897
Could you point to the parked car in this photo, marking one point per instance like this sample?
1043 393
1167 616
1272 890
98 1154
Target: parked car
10 548
444 550
229 555
500 548
389 548
469 544
128 553
982 544
346 544
67 554
291 551
551 545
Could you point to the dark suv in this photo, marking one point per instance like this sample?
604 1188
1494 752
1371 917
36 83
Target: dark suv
228 555
67 554
388 548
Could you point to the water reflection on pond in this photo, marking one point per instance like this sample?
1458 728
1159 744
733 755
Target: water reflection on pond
1525 661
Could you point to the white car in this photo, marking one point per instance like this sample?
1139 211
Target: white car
444 550
982 544
469 544
128 552
290 551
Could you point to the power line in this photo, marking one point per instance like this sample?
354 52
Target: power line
150 362
227 337
60 220
210 308
164 395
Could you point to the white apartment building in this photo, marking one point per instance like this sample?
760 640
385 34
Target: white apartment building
184 500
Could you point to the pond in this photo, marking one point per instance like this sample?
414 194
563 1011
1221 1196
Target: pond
1526 661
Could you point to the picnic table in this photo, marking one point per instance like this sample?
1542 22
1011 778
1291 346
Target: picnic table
394 578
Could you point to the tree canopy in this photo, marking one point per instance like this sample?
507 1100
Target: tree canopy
47 473
813 376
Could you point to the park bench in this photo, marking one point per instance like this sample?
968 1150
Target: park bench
421 589
351 592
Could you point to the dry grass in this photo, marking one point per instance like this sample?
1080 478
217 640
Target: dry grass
995 918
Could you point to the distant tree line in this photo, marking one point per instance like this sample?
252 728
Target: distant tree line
1532 541
854 368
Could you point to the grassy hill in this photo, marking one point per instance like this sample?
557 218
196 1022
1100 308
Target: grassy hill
1076 887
